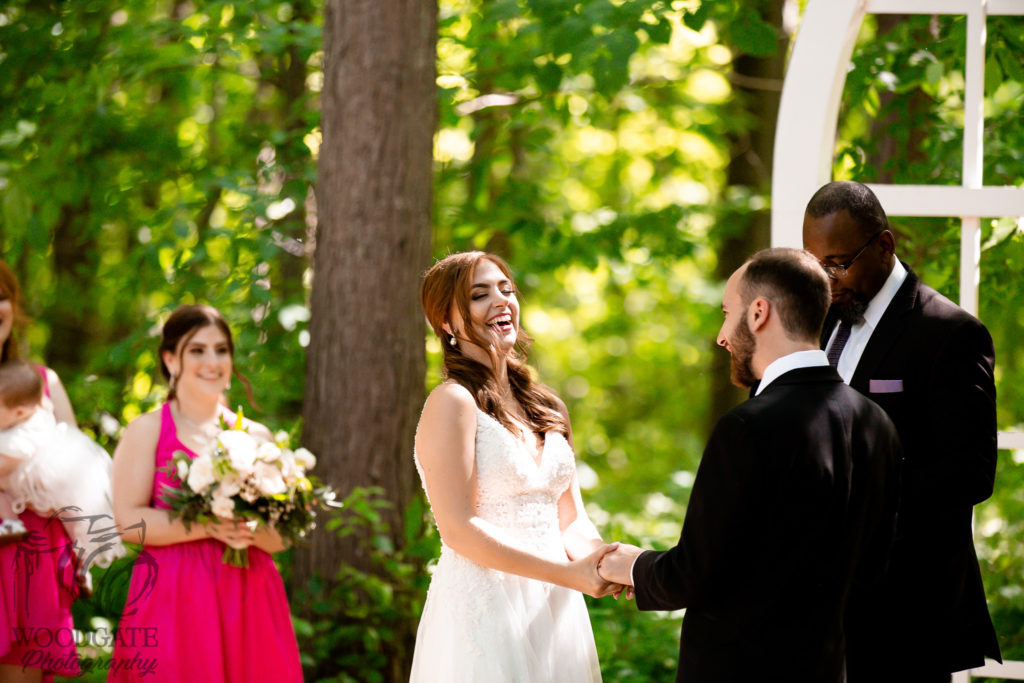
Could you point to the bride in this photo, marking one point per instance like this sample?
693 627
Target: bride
494 452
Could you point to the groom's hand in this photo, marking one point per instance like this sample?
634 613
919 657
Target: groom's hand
617 565
586 578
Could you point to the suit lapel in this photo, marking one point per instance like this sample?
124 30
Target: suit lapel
889 328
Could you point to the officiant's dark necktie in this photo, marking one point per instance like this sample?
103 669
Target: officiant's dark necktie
836 350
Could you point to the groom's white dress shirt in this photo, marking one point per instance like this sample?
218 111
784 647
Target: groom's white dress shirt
791 361
860 333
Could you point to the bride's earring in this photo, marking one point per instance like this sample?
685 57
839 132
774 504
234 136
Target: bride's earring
452 340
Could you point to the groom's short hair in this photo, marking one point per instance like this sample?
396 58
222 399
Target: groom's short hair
795 283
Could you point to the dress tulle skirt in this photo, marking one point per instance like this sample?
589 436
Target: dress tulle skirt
484 625
190 617
37 587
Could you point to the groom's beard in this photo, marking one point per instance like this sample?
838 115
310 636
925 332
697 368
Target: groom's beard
742 345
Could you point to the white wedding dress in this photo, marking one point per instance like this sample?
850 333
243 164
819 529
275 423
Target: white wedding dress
486 625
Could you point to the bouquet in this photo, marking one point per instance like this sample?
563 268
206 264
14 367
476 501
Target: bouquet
245 478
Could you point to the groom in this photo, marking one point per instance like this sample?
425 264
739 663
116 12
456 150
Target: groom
793 509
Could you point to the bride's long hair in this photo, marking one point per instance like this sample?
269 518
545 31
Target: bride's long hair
446 286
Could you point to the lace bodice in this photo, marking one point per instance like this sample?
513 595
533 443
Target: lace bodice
515 493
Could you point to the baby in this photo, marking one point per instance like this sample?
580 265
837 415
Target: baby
53 469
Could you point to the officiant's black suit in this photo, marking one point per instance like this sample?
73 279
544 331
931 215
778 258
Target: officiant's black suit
931 610
791 513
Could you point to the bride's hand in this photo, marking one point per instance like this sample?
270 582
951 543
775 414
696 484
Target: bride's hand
231 532
585 577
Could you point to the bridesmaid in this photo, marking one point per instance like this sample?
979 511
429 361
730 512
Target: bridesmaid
190 616
37 574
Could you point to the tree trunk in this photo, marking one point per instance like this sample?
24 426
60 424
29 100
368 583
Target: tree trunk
366 362
74 266
758 86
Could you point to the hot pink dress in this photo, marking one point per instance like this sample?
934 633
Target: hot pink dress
37 587
190 617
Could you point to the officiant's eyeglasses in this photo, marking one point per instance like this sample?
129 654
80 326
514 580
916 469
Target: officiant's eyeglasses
837 271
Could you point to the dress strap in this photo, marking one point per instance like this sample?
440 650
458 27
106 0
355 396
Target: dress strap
166 421
168 441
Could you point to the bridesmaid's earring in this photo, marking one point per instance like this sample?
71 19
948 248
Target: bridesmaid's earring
452 340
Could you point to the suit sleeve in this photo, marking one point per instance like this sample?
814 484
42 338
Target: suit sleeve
713 529
959 460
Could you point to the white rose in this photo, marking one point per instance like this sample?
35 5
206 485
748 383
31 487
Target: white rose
200 474
182 470
305 459
241 450
228 487
268 452
269 480
289 469
250 494
223 507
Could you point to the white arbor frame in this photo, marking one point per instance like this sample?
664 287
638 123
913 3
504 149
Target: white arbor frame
805 142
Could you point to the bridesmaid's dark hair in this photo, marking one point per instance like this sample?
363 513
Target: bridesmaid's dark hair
446 286
10 290
181 326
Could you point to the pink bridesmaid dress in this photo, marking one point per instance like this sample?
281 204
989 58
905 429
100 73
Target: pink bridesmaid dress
190 617
37 587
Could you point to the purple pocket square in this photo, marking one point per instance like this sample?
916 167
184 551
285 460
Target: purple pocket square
885 386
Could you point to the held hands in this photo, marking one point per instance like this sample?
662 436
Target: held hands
616 565
584 575
232 533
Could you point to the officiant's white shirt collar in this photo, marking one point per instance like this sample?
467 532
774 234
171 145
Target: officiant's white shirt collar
876 309
860 334
792 361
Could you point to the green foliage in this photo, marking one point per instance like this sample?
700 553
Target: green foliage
151 154
358 621
632 645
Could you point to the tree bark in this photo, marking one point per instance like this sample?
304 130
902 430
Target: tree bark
366 361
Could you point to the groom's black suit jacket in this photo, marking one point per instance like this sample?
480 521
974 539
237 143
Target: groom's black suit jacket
792 512
929 364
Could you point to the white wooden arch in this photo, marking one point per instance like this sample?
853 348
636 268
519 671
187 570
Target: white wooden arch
805 142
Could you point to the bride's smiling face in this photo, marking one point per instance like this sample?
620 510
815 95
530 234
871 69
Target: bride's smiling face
493 308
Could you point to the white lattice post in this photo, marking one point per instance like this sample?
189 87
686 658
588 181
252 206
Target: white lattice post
809 110
974 128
